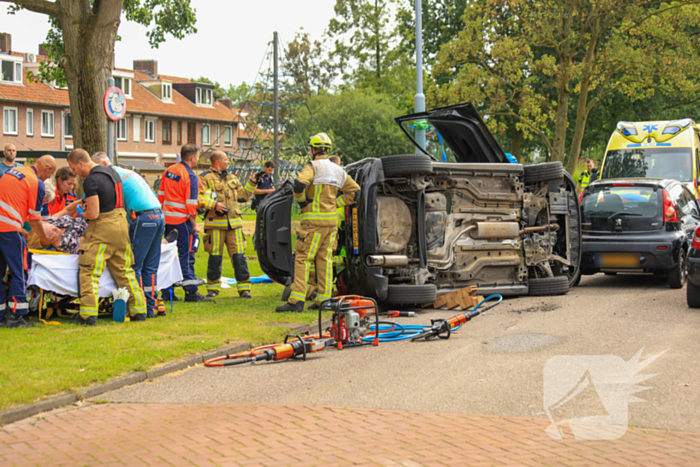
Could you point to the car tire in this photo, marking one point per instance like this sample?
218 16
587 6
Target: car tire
547 286
395 166
543 172
678 274
693 295
411 294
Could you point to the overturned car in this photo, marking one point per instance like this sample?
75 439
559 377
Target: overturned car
422 228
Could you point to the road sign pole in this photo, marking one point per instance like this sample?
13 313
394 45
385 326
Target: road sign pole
110 129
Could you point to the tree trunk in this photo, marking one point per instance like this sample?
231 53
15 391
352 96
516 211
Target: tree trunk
515 145
561 119
88 38
582 110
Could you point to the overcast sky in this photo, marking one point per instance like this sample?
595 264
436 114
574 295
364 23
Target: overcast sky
229 46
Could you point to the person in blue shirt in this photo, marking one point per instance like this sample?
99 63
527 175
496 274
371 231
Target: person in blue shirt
146 228
511 158
10 152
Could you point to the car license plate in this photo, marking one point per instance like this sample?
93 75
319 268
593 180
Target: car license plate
617 260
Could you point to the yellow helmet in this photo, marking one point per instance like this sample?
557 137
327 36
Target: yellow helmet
321 140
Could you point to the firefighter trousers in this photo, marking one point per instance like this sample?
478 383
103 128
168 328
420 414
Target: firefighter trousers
107 244
234 240
314 246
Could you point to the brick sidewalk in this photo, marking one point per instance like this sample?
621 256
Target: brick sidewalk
296 435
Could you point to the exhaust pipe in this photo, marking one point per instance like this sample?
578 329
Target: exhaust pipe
387 261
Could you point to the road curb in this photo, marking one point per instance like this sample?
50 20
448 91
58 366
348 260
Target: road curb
51 403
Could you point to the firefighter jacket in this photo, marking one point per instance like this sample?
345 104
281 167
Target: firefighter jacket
21 196
316 189
178 193
229 191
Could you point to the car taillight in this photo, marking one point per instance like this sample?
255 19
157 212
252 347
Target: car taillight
670 214
696 239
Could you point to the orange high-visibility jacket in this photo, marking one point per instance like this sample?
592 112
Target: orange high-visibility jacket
21 198
178 193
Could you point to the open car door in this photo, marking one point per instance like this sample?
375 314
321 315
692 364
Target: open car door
273 234
457 130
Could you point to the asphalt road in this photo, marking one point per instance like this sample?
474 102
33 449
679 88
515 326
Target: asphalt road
494 365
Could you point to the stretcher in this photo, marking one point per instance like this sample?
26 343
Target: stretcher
57 273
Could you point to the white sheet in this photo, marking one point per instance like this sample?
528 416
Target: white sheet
59 273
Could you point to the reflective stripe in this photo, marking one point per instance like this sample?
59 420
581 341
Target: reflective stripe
340 202
7 220
174 214
317 197
97 272
175 205
21 306
214 286
318 215
250 188
300 197
12 211
216 242
2 306
131 278
161 192
297 296
240 242
191 201
192 282
329 269
242 287
34 213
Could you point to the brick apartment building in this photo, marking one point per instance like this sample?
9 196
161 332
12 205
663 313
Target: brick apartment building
163 112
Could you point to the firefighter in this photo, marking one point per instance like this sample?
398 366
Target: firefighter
106 241
146 226
177 194
21 196
316 189
223 225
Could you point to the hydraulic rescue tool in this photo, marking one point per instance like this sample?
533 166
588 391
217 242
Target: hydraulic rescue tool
351 320
299 346
443 328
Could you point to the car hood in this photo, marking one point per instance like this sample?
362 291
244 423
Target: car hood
463 131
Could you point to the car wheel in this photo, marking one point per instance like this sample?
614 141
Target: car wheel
543 172
558 285
407 164
693 295
678 274
411 294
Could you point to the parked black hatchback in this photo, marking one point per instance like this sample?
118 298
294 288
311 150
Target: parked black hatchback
638 225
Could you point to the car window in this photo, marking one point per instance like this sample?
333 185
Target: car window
676 191
690 206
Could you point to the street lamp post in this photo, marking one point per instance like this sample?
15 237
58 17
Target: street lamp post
420 97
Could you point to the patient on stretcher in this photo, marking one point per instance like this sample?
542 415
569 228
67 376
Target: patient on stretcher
66 231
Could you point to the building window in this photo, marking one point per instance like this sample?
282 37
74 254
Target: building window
9 120
206 137
192 133
179 133
122 130
124 84
11 70
47 123
149 132
167 132
167 92
203 96
228 140
30 122
67 126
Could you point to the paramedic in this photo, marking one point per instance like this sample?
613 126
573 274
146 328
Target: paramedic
223 225
178 193
316 190
146 226
21 195
106 241
64 201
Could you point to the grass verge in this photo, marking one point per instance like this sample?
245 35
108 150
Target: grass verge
47 360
